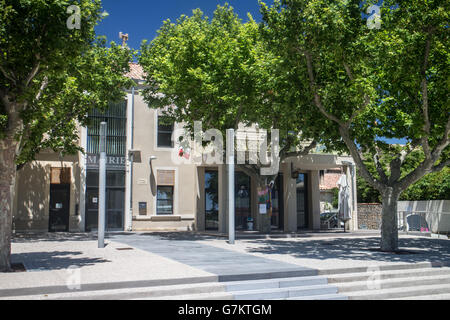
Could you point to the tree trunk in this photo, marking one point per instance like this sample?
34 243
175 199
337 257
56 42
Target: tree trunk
7 181
389 226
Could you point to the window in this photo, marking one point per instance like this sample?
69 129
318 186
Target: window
164 200
165 129
116 137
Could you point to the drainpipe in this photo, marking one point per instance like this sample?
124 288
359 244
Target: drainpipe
129 182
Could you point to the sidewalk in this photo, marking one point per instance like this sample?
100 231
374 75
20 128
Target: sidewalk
56 261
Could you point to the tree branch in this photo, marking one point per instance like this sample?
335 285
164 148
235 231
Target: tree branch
366 97
313 85
424 88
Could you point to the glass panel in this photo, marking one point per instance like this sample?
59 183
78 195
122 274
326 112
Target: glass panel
277 204
211 200
164 200
242 200
115 199
165 139
302 212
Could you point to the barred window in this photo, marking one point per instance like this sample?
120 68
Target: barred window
116 137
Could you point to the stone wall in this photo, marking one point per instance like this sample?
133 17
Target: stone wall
369 216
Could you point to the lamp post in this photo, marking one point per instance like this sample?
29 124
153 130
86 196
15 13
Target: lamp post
230 162
102 186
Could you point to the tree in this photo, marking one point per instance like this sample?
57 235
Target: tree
51 74
220 72
371 84
433 186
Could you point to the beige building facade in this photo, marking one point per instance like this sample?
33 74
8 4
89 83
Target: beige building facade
149 189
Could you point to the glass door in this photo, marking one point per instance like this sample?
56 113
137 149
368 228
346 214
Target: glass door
211 200
242 200
302 201
277 204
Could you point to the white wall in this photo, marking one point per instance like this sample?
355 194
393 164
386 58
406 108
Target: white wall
436 213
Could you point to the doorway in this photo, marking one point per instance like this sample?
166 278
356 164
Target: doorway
59 208
302 201
242 198
212 200
277 222
115 200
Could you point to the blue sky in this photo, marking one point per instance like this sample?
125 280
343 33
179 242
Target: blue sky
142 18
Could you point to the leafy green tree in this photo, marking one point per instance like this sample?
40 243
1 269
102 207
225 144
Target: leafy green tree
433 186
219 71
51 74
368 84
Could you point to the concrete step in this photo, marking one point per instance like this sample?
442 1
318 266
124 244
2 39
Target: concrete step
442 296
320 297
199 296
376 284
389 267
131 293
390 274
274 283
281 293
394 293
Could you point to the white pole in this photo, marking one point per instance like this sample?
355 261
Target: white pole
230 162
102 187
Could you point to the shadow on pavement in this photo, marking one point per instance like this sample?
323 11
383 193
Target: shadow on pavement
54 260
413 250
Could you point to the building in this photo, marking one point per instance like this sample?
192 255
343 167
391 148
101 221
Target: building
147 190
328 182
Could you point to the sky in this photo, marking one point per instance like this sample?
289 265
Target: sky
142 18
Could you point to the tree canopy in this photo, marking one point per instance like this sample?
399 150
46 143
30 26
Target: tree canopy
371 84
53 70
219 71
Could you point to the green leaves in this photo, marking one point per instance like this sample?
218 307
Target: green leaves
52 75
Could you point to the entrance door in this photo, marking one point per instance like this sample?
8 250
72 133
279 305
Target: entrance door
242 200
302 201
59 208
211 200
277 204
115 200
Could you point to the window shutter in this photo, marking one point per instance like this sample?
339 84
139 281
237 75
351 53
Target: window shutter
166 178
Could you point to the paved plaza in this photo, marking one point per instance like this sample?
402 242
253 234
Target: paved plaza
161 258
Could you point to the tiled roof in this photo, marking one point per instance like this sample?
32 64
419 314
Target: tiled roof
136 72
329 181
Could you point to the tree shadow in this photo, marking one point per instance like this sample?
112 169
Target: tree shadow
54 260
30 237
413 250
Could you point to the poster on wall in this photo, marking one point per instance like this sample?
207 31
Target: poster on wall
263 199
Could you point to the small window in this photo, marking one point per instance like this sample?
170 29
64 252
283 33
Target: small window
165 129
164 200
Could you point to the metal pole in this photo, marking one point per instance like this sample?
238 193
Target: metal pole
230 162
102 187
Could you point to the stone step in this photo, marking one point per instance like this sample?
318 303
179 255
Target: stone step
130 293
390 274
394 293
375 284
281 293
389 267
199 296
275 283
442 296
320 297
